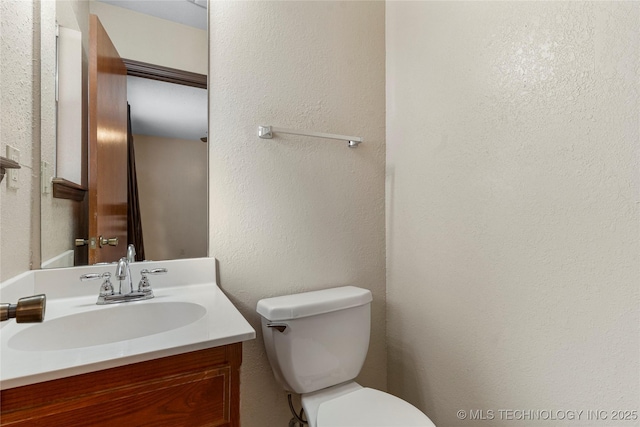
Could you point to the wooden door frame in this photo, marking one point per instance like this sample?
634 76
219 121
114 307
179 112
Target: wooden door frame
164 74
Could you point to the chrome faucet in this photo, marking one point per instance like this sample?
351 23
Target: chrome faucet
131 253
123 272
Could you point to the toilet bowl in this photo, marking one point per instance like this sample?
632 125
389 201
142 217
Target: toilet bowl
316 343
351 405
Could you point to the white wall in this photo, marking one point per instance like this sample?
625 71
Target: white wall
512 176
153 40
172 187
295 213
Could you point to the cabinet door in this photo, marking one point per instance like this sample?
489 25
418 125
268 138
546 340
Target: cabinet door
193 389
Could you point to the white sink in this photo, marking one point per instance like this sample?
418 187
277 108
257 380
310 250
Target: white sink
188 313
107 325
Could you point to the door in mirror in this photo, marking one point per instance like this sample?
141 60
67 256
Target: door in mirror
107 145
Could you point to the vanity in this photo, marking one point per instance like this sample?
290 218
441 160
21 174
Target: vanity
172 360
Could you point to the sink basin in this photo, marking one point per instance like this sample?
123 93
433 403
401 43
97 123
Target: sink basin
107 325
188 313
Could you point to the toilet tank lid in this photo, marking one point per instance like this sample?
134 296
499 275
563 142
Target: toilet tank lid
288 307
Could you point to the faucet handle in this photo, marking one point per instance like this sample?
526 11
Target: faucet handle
106 288
144 285
91 276
154 271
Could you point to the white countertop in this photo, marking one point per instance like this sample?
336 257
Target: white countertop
187 281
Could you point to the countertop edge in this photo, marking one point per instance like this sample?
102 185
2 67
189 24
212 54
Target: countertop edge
127 360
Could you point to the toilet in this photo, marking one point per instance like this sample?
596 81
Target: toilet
316 343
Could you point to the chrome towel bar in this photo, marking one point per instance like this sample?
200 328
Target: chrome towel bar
266 132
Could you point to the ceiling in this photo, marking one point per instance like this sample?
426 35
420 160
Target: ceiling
164 109
188 12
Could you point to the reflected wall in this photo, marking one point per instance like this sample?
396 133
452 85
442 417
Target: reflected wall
19 127
62 220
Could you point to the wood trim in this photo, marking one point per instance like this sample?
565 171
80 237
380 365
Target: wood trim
63 189
165 74
234 356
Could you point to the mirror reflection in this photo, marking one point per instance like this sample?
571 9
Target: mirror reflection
121 174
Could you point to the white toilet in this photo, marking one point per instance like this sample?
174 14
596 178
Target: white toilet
316 343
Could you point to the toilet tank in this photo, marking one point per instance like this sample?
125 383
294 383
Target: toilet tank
316 339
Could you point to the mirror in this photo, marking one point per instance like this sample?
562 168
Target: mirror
168 122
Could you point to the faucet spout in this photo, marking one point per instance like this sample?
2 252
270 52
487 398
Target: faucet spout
124 273
131 253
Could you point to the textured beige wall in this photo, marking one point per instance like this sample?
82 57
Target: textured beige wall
17 129
28 117
296 213
156 41
172 184
512 176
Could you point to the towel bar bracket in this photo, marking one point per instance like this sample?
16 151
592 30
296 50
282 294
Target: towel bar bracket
264 132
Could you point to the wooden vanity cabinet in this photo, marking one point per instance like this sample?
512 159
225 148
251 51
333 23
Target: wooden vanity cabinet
200 388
